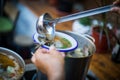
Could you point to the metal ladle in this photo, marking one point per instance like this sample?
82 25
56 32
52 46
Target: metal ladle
46 24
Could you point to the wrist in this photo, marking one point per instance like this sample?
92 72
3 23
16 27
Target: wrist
56 77
58 74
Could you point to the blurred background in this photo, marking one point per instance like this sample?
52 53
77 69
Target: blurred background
18 25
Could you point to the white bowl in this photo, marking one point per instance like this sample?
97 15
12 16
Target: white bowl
73 42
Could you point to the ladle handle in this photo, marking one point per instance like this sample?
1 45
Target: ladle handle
84 14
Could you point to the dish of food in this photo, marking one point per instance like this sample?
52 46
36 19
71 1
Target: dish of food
10 69
62 42
59 42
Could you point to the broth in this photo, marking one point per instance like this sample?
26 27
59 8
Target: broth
60 42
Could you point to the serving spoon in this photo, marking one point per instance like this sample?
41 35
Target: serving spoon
46 24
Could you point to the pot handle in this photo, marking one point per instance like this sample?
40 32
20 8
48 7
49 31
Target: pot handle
89 37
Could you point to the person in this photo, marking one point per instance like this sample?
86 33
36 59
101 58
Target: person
116 8
51 62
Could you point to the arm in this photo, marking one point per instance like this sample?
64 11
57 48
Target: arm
50 62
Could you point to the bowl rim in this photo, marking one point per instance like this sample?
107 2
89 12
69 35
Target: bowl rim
72 40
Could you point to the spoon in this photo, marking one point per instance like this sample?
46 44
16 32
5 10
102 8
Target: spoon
46 24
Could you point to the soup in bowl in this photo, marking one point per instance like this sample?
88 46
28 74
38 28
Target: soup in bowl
63 42
12 66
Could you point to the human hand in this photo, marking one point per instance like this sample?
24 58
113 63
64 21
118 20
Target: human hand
116 9
50 62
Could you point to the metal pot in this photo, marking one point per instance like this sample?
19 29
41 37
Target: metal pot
16 56
76 68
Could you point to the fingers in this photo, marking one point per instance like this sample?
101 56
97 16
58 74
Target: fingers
42 50
116 9
116 2
54 51
38 53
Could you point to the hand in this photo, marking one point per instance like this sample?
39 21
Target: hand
116 9
50 62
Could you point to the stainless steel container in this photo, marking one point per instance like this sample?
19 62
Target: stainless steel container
76 68
16 56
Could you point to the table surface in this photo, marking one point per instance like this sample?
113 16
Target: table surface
101 64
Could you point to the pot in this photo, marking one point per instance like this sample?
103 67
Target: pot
16 56
76 68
